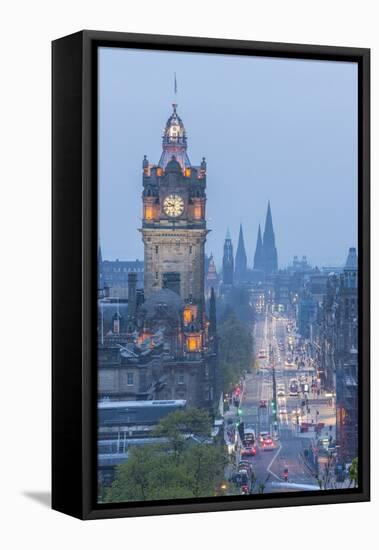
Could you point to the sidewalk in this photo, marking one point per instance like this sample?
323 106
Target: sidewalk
231 435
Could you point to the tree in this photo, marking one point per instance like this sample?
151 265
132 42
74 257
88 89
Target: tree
179 468
205 468
353 472
238 302
132 478
235 350
179 423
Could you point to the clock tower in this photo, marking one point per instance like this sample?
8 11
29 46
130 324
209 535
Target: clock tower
173 224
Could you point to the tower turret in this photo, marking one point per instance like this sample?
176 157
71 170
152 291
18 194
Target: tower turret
174 141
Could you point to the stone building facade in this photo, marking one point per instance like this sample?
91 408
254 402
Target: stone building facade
163 345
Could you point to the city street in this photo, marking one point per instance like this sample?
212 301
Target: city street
274 345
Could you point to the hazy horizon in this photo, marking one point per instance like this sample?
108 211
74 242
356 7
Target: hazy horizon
273 129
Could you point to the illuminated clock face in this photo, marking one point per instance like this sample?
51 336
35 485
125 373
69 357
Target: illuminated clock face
173 206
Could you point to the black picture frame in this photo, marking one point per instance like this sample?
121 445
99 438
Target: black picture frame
74 205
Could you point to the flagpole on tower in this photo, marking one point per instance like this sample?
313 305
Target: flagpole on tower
175 104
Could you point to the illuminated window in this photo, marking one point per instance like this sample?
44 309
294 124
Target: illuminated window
189 313
187 172
149 212
197 212
193 343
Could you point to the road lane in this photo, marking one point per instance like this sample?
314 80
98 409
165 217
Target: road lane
269 465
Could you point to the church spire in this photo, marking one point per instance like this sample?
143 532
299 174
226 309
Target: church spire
258 260
228 260
269 252
241 259
268 235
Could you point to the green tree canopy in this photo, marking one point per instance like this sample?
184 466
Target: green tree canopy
238 302
180 468
235 350
179 423
353 472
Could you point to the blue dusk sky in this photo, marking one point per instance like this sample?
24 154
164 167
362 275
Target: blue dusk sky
278 129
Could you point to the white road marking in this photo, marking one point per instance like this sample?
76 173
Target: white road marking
272 461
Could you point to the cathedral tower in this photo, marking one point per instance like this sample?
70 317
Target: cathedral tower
269 252
174 227
258 259
241 259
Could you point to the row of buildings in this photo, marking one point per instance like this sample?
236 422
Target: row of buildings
333 338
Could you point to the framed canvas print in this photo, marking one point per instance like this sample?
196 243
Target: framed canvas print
210 275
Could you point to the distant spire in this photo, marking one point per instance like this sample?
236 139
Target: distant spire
269 252
211 266
352 260
175 85
211 277
268 235
99 254
241 258
258 260
228 260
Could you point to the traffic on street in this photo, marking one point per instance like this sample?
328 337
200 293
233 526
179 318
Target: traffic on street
280 422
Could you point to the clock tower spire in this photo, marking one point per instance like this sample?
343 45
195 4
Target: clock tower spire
173 225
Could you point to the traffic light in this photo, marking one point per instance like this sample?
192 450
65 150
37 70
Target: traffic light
239 412
241 430
273 406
